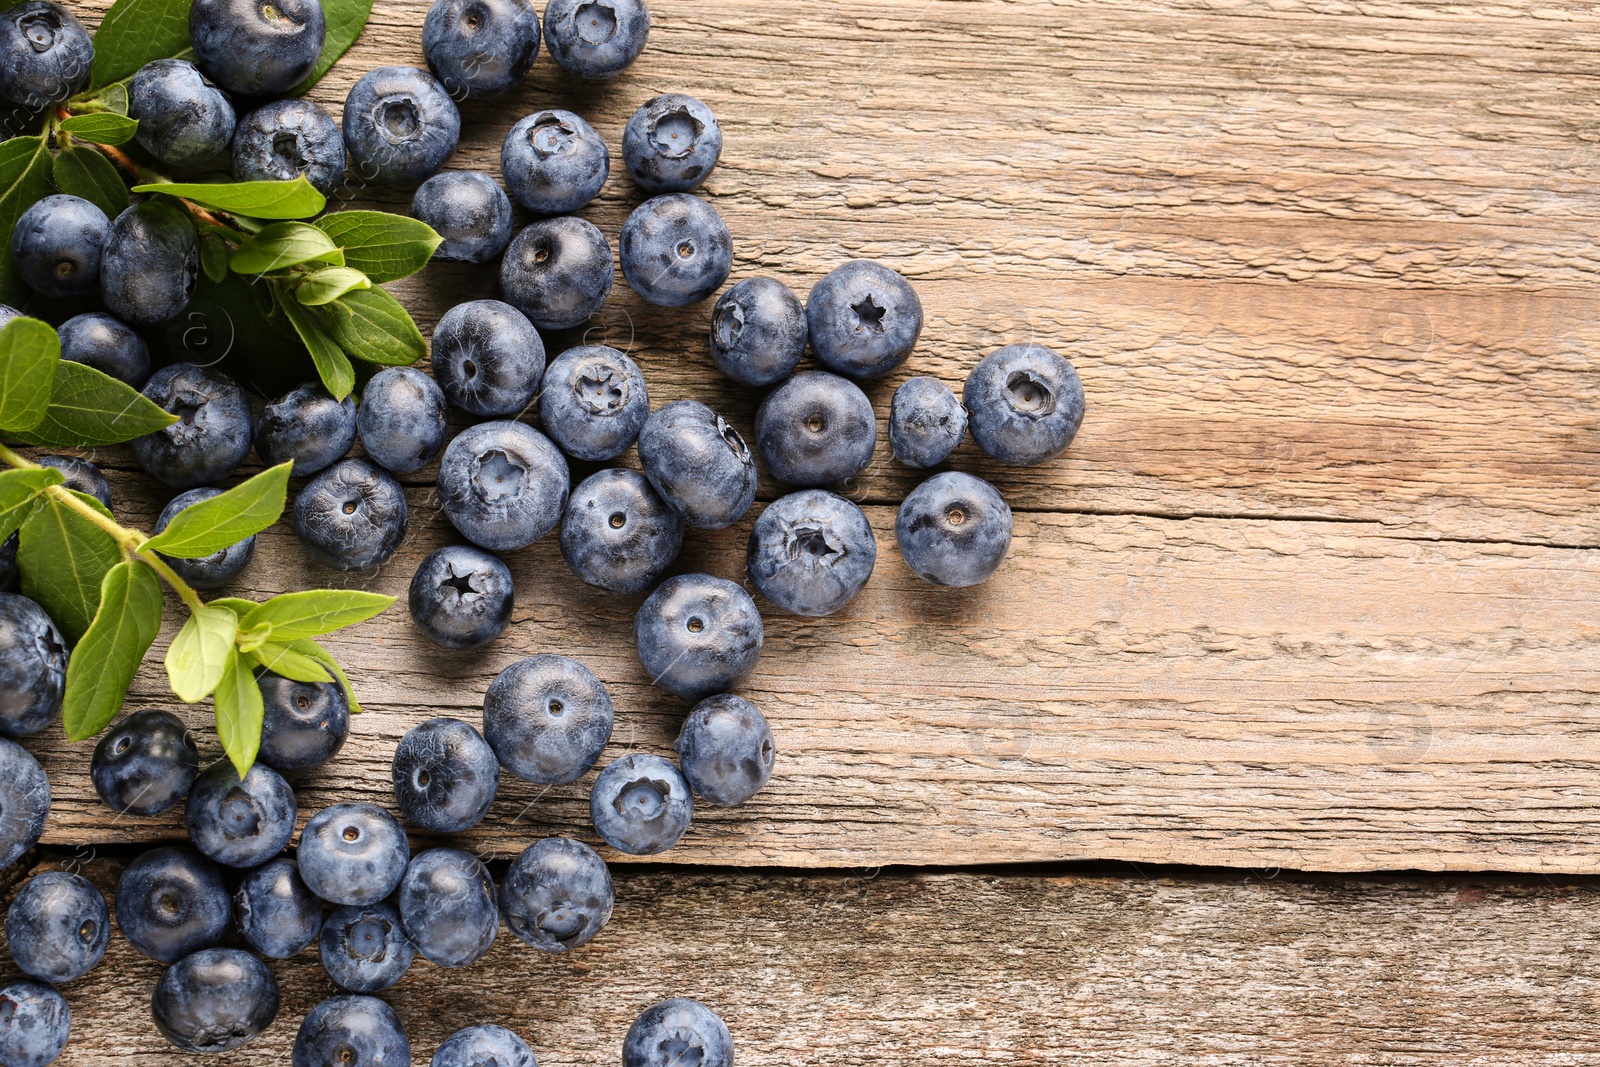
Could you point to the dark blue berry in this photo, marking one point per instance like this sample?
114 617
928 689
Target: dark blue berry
401 419
698 635
145 764
275 911
24 801
353 853
33 667
150 263
364 948
811 552
1025 403
58 243
758 332
675 250
307 426
641 805
488 358
863 319
558 272
351 516
595 39
58 927
676 1032
671 143
240 822
468 209
80 476
461 597
953 529
8 564
257 49
503 485
345 1031
287 138
171 902
547 718
445 776
482 1046
184 120
479 48
926 422
447 906
212 435
399 126
557 894
594 402
215 1000
698 463
816 429
34 1024
107 344
617 534
48 54
221 566
554 163
303 724
725 749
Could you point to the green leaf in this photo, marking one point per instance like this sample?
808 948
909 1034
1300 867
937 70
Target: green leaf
106 659
326 286
89 174
312 650
89 408
313 613
238 605
296 199
24 180
29 352
290 663
239 710
105 127
112 98
226 519
63 557
198 655
382 246
19 496
134 32
333 366
284 244
345 19
214 255
370 325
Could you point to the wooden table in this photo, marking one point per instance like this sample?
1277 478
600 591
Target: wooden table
1315 588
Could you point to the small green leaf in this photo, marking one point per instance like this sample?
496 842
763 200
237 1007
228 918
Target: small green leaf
105 127
326 286
371 325
382 246
333 366
224 520
296 199
315 651
239 710
63 557
284 244
345 18
19 496
290 663
89 408
89 174
112 98
134 32
199 653
313 613
238 605
106 659
29 352
214 255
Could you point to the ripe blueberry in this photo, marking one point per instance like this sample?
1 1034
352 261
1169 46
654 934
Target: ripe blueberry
343 1031
48 54
595 39
675 250
184 120
308 426
351 516
593 403
671 143
811 552
641 805
698 463
926 422
58 927
488 359
953 529
217 569
212 435
469 210
864 319
447 906
34 1024
445 776
303 724
547 718
257 49
171 902
554 163
24 801
758 332
479 48
353 853
503 485
240 822
399 126
558 272
617 534
287 138
58 244
401 419
150 263
80 476
146 764
816 429
477 1046
275 911
698 635
678 1031
215 1000
461 597
725 749
364 948
557 894
33 667
1026 403
107 344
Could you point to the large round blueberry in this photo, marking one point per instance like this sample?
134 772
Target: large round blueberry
816 429
344 1031
80 476
698 463
595 39
461 597
678 1031
33 667
48 54
554 163
481 1045
58 927
280 141
675 250
811 552
617 534
503 485
399 126
594 402
697 635
215 1000
488 358
34 1024
24 801
221 566
480 48
351 516
307 426
863 319
150 263
145 764
445 776
558 272
257 49
671 143
641 805
303 724
240 822
275 911
953 529
212 435
447 906
547 719
353 853
184 120
107 344
758 332
364 948
58 243
171 902
1025 403
557 894
468 209
926 422
401 419
725 749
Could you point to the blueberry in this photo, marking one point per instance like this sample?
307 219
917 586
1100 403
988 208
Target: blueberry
953 529
58 927
758 332
447 906
221 566
171 902
461 597
595 39
303 724
364 948
641 805
275 911
33 667
698 635
678 1031
816 429
725 749
864 319
150 263
80 476
215 1000
308 426
488 358
399 126
445 776
353 853
1026 404
675 250
351 516
926 422
547 719
401 419
212 435
554 163
344 1031
34 1022
617 534
184 120
24 801
811 552
503 485
48 54
107 344
58 244
146 764
481 1046
479 48
467 208
698 463
593 403
558 272
287 138
671 143
557 895
257 49
240 822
